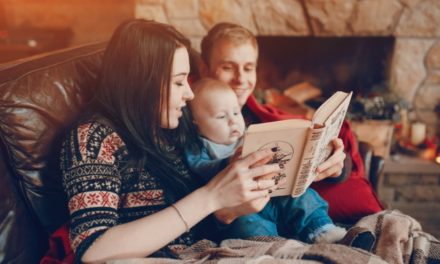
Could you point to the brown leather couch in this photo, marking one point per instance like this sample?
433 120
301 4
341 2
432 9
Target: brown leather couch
40 97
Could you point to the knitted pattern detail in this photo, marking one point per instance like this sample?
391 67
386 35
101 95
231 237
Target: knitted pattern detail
101 191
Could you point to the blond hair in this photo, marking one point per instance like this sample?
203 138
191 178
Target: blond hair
225 31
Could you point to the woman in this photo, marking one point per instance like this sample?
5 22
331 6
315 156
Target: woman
130 194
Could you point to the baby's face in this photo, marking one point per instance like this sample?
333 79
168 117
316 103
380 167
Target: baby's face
218 117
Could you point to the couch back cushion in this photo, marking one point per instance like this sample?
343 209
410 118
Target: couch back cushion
39 98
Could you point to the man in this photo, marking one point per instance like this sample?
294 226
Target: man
230 54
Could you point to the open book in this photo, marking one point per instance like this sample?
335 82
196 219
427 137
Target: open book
299 146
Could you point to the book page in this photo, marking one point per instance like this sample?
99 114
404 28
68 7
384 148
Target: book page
329 131
287 147
329 107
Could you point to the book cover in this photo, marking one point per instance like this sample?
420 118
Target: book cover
299 146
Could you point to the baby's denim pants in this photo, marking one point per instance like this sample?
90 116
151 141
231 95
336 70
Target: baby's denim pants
302 218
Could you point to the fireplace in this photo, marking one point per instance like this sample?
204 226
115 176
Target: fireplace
356 64
410 28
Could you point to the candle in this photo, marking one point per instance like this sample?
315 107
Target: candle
405 124
418 133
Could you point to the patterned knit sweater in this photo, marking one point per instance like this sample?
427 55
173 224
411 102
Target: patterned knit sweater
101 192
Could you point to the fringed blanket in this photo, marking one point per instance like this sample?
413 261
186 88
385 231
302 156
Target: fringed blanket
399 239
265 250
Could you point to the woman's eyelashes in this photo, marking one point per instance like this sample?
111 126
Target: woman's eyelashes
181 81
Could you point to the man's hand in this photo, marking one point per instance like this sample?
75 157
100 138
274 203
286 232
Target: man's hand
333 166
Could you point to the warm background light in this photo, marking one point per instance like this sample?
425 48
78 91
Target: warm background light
90 20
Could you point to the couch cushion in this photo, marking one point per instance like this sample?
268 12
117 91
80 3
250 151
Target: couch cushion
39 98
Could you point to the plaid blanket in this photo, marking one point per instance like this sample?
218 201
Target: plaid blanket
265 250
399 239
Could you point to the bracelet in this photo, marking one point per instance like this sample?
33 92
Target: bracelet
181 217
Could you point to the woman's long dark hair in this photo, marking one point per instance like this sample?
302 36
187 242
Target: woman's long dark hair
135 76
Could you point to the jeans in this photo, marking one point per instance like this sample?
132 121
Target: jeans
301 218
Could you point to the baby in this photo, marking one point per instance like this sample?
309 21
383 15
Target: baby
217 115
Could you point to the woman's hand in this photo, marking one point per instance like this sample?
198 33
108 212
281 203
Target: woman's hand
227 215
245 183
333 166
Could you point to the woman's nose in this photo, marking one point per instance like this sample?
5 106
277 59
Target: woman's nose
188 94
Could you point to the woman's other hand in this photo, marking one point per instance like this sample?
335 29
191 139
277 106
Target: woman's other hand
333 166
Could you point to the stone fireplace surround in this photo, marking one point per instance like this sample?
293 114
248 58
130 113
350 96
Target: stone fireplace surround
415 64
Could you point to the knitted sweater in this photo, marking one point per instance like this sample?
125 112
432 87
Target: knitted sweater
101 192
